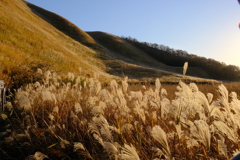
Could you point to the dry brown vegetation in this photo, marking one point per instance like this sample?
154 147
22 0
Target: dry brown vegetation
205 88
79 118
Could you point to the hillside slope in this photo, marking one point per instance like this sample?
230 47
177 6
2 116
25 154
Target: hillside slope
145 64
32 37
28 42
125 59
121 49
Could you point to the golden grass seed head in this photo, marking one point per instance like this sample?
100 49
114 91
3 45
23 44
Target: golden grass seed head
78 146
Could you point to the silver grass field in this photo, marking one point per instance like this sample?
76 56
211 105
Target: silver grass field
79 118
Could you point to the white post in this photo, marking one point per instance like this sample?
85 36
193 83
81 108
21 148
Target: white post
2 95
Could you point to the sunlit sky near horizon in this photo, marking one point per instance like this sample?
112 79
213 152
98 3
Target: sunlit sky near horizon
207 28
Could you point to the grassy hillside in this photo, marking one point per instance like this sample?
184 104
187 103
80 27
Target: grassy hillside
140 62
125 59
122 50
28 42
32 37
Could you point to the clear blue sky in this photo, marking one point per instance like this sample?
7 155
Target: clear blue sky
207 28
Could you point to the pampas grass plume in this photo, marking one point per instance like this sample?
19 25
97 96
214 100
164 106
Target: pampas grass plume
77 146
110 148
158 134
78 108
185 66
39 156
128 152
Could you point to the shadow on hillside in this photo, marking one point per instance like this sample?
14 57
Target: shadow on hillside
132 71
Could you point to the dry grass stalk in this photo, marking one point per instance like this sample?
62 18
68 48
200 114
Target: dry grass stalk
77 120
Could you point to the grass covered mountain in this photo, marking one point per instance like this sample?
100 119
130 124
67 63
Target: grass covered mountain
30 40
32 37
